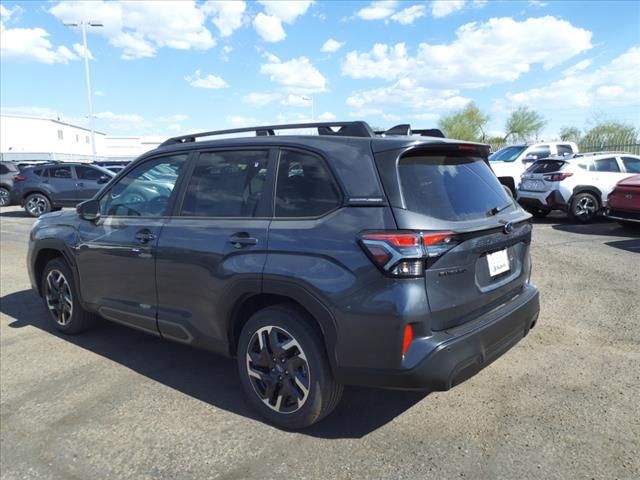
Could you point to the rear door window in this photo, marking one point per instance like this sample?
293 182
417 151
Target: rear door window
605 165
631 164
305 186
226 184
60 172
88 173
450 187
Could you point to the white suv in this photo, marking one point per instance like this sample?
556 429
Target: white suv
578 185
511 161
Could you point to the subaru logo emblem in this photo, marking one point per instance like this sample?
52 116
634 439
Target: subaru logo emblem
508 228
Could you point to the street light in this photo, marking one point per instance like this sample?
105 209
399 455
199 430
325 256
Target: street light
309 99
84 24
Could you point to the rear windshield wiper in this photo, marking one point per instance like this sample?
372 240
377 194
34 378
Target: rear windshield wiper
497 210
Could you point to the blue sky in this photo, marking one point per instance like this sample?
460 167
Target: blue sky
173 67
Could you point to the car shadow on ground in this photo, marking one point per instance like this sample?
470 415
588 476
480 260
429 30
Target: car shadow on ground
208 377
14 213
601 226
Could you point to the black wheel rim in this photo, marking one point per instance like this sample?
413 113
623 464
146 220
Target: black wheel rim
59 298
278 369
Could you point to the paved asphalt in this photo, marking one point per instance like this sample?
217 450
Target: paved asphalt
116 404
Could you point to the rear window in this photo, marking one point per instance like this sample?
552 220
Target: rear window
449 187
7 168
507 154
546 166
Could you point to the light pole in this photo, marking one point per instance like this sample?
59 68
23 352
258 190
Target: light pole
309 99
85 52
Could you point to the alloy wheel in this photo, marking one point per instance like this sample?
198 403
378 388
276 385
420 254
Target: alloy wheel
278 369
37 205
59 298
4 197
585 207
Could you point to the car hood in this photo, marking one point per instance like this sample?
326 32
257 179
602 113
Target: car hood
59 217
633 181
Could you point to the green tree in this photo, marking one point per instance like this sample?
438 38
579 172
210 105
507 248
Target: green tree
523 123
610 133
570 134
465 124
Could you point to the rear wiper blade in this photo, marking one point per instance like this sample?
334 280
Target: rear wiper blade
497 210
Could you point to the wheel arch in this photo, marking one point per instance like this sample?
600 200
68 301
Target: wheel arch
47 250
595 191
287 293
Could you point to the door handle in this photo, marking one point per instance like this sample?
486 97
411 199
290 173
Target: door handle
79 184
242 239
144 236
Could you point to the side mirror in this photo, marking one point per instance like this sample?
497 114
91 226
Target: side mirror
89 210
104 179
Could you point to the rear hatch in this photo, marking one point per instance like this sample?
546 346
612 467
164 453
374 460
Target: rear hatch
485 259
543 176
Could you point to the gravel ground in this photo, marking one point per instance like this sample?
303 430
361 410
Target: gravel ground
116 404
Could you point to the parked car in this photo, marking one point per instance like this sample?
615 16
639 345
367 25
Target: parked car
113 165
53 186
623 203
510 162
8 170
316 261
578 185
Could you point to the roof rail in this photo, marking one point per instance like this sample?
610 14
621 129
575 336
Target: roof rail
404 129
346 129
604 152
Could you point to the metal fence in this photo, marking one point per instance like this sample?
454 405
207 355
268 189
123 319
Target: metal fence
622 144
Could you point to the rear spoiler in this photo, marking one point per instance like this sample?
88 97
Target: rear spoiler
404 130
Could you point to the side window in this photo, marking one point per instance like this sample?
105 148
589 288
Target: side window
564 150
226 184
60 172
305 187
3 169
605 165
538 153
145 190
631 164
88 173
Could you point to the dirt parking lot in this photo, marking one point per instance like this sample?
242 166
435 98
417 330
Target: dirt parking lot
116 404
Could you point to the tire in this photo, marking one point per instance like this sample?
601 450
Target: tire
37 204
61 299
296 390
584 207
4 197
538 212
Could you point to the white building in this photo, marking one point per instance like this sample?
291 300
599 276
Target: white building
35 138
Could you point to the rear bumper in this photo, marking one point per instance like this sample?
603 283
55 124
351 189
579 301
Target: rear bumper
448 358
546 200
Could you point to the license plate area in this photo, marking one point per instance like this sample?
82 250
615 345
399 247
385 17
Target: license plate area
534 185
498 262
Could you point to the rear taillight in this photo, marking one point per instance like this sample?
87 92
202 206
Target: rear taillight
557 177
405 254
19 178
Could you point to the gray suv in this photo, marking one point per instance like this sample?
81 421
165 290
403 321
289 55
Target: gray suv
317 261
53 186
8 170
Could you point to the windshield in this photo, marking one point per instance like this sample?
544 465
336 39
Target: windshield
507 154
450 188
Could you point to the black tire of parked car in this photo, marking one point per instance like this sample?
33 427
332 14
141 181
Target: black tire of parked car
584 207
37 204
61 299
305 366
4 197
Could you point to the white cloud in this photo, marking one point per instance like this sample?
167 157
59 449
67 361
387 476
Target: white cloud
44 112
286 10
499 50
442 8
427 117
227 15
179 117
614 84
378 10
31 44
331 45
210 81
79 49
409 14
297 75
260 99
7 13
269 27
479 3
537 3
176 127
296 101
141 28
240 121
120 117
99 93
578 67
224 54
326 117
